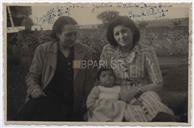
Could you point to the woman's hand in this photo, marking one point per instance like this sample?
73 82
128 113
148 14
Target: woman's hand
37 92
128 92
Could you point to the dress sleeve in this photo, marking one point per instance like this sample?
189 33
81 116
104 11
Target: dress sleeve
152 66
92 97
34 74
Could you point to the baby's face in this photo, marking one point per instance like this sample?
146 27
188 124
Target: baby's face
107 78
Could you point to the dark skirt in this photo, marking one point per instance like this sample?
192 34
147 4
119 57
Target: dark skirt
45 108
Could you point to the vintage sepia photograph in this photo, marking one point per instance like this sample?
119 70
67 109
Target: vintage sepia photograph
97 63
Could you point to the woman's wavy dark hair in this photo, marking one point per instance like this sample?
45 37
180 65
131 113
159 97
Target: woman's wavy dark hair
125 21
60 23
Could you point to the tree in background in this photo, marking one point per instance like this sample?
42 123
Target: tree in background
107 16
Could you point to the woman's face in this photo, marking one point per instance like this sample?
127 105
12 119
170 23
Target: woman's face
123 35
68 36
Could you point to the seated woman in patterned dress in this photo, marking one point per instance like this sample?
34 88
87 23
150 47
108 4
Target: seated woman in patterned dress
137 71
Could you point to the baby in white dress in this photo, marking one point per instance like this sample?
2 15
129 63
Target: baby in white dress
103 102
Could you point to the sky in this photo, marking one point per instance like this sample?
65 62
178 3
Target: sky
87 14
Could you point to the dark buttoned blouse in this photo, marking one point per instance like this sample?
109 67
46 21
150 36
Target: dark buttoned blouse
60 88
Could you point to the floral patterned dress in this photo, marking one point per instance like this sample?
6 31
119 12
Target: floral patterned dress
139 67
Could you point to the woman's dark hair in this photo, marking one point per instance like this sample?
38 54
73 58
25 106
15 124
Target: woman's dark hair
60 23
102 69
125 21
